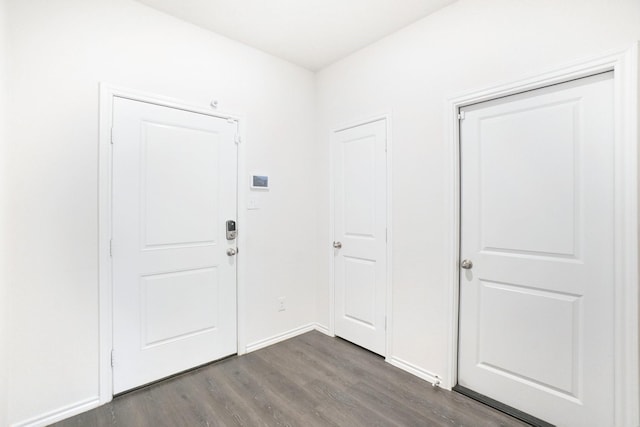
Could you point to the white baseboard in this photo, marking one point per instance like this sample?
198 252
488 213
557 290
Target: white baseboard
321 328
415 370
60 414
280 337
88 404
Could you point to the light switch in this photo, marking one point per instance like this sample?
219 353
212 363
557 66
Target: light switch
252 203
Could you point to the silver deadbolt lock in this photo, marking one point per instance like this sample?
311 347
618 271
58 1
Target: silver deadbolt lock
466 264
232 233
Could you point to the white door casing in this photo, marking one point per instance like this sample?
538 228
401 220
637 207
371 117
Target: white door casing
537 221
174 287
360 226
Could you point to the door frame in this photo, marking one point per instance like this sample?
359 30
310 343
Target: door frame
105 262
625 65
386 116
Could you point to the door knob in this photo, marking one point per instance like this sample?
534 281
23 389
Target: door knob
231 252
466 264
337 245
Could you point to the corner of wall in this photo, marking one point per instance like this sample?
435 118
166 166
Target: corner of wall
321 317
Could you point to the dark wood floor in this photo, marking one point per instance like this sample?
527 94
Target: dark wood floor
310 380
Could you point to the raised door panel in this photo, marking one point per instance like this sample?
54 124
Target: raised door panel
180 185
527 180
518 326
179 305
359 196
360 290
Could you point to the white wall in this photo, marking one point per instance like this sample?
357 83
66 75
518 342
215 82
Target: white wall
58 53
469 45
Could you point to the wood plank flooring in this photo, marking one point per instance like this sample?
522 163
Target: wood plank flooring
310 380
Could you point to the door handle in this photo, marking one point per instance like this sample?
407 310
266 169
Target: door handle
231 252
337 245
466 264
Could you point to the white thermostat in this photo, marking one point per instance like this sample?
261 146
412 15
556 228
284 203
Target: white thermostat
259 182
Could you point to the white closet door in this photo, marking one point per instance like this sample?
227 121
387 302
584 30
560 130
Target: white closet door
536 306
360 265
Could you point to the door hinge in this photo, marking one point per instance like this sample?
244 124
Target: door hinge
461 115
236 137
112 358
110 247
111 137
386 235
385 325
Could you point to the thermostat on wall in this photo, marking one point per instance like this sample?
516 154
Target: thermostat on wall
259 182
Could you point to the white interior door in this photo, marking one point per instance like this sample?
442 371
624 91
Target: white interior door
174 186
536 306
360 223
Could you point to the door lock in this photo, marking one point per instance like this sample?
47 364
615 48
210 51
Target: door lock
337 245
231 230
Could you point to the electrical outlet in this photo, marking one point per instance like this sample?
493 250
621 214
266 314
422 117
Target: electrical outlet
281 306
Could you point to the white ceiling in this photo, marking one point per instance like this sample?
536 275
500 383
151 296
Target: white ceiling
310 33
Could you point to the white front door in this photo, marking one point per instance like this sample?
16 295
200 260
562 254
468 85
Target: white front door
174 287
537 225
360 223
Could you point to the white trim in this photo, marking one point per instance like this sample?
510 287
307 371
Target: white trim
321 328
60 414
105 291
105 285
389 302
242 235
280 337
386 116
625 67
414 370
627 359
330 251
362 120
